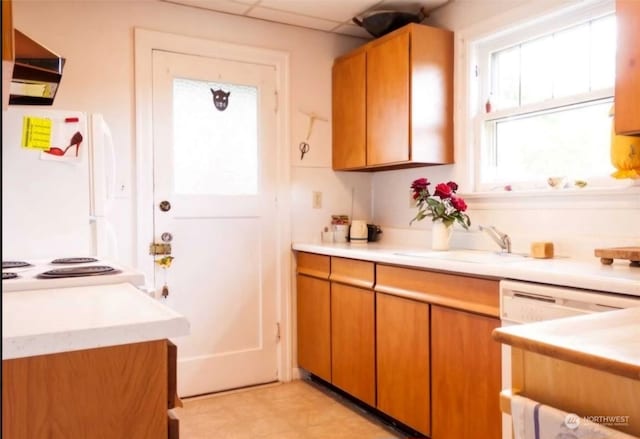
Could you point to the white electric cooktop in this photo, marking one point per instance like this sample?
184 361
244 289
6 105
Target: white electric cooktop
65 272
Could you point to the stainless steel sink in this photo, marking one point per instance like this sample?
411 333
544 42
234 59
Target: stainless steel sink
475 256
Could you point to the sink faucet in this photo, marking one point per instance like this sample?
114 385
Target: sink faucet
502 239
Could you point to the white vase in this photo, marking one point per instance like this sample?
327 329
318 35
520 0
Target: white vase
440 235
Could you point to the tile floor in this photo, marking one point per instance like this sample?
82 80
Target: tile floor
296 410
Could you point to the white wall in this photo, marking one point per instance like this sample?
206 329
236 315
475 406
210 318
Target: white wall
96 38
575 225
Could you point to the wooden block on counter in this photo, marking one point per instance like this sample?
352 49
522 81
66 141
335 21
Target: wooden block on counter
542 250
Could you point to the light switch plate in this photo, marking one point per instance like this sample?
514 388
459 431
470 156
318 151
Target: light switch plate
317 200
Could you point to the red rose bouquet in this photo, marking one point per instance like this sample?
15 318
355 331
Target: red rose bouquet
443 205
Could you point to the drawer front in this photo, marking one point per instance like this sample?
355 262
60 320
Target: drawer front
314 265
456 291
352 272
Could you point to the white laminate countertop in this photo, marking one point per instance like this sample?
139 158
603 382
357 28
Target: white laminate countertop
617 278
39 322
608 341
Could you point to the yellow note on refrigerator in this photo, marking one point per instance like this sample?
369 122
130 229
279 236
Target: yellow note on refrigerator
36 133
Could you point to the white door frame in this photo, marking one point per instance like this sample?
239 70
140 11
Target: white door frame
145 42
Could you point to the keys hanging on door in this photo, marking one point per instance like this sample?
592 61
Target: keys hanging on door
164 263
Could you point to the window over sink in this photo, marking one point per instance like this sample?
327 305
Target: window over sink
541 101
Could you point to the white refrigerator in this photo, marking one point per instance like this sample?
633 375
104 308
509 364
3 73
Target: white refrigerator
58 170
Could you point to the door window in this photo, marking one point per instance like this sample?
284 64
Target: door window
215 147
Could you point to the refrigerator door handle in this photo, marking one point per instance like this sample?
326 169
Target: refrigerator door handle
110 156
103 167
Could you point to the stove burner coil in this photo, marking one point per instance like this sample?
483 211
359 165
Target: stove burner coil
9 275
15 264
73 260
94 270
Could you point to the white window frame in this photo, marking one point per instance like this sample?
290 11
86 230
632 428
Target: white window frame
530 20
508 38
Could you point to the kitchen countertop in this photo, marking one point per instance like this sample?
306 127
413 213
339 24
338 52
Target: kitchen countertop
607 341
617 278
38 322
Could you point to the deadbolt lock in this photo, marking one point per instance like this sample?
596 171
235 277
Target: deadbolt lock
165 206
159 248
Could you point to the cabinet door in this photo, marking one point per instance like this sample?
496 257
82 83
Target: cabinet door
388 101
349 112
465 375
627 106
352 341
7 51
402 358
101 393
313 320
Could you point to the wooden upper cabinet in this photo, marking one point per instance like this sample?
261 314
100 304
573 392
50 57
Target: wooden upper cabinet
627 103
349 112
388 101
407 104
7 30
7 50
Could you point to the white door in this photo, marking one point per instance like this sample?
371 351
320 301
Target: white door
214 131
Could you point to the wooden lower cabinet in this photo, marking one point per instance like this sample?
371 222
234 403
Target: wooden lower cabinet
314 325
465 362
352 341
416 344
115 392
402 358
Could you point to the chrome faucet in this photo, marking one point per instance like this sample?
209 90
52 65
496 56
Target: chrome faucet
502 239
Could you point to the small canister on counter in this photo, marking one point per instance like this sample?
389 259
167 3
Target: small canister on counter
327 235
340 227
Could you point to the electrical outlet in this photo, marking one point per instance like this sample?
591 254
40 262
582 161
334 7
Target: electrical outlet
412 201
317 200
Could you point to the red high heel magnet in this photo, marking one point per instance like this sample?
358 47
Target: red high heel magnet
75 140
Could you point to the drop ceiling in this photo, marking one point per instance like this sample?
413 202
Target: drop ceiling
326 15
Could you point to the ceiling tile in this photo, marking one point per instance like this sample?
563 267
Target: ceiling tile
228 6
336 10
353 30
410 6
290 18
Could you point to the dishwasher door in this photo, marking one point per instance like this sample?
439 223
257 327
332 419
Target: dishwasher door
527 302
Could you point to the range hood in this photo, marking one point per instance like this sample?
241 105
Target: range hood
37 72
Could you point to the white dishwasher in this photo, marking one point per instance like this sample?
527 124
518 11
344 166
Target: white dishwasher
526 302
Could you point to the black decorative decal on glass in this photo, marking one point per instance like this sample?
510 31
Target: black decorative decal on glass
220 99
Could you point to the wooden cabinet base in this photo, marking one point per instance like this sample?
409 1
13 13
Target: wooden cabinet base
352 341
465 375
116 392
314 326
575 388
402 340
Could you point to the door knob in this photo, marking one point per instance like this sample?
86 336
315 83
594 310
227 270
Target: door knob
166 237
165 206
